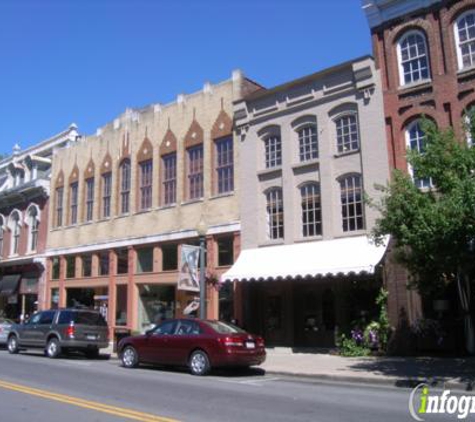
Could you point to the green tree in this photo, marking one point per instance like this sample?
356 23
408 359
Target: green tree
434 228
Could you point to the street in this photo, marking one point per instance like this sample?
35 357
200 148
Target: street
75 389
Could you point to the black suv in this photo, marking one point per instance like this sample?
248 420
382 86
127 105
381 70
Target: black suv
61 330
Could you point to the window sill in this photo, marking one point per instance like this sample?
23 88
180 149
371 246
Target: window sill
143 211
166 207
346 153
309 239
272 243
304 164
466 71
122 215
192 201
222 195
414 88
352 234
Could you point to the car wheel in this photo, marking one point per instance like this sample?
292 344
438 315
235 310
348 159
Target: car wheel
92 353
129 357
199 363
53 349
12 345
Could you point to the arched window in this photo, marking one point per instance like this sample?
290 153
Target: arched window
275 214
308 143
464 29
347 138
15 228
125 186
33 228
413 58
352 203
415 140
311 210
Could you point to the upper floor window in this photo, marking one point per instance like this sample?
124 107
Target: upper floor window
33 224
195 172
352 203
347 138
465 39
273 147
89 199
146 181
106 194
59 206
224 165
413 58
275 214
415 140
73 194
308 143
125 186
15 228
311 210
169 179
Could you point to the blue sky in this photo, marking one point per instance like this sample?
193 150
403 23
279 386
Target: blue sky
86 61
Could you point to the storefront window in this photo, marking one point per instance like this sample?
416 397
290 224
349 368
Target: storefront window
122 261
71 266
169 257
144 260
87 265
104 263
54 298
55 268
226 302
156 304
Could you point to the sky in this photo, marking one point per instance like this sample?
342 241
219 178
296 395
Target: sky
86 61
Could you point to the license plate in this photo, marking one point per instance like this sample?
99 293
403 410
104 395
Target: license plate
250 345
91 337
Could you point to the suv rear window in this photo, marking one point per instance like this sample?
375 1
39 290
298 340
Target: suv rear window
89 318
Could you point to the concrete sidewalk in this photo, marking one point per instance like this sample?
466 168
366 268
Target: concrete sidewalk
454 373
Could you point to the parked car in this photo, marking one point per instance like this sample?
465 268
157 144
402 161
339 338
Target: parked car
61 330
5 326
197 344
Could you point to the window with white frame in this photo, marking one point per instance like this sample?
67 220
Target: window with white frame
169 179
308 143
106 194
311 210
273 150
415 140
195 172
347 137
464 29
146 183
224 163
15 228
275 214
89 198
413 58
33 225
125 186
352 203
73 193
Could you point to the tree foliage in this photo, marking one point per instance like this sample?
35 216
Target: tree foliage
433 228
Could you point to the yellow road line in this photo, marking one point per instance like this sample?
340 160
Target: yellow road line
75 401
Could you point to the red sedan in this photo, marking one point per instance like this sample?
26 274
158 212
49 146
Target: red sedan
198 344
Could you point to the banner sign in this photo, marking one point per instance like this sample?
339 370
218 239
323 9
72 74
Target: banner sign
189 278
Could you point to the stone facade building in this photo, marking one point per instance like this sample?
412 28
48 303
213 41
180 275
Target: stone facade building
309 151
127 198
425 51
24 204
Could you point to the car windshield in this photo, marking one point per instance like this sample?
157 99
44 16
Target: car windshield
224 327
89 318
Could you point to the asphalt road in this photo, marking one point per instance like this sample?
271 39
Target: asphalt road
34 388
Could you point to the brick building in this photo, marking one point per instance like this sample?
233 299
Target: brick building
425 51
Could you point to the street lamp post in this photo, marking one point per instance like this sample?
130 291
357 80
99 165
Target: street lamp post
202 228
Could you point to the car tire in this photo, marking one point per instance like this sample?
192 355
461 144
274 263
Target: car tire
129 357
199 363
92 353
12 345
53 348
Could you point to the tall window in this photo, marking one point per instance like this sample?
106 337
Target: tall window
89 198
106 194
125 186
169 178
308 143
465 39
74 202
273 147
415 140
15 228
311 210
275 214
352 203
347 133
413 58
146 170
195 172
224 165
33 224
59 206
